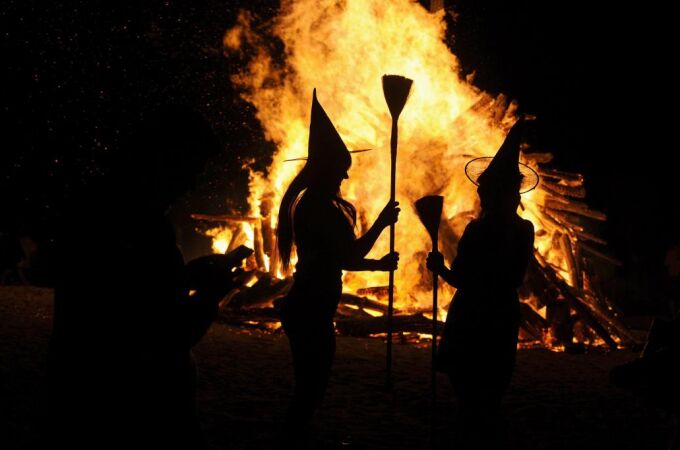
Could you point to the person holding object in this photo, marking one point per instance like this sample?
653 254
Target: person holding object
127 309
320 223
479 340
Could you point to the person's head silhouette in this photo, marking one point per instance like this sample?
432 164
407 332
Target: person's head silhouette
327 163
328 158
167 152
503 178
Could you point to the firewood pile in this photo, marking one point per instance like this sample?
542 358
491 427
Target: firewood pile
564 306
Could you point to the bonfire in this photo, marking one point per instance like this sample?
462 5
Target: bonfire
343 49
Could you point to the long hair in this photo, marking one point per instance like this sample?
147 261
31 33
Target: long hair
284 232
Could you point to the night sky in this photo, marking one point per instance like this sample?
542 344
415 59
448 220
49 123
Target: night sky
79 74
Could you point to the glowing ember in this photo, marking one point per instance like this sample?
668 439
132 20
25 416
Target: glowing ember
373 312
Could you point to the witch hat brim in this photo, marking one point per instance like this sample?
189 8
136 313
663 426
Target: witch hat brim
304 158
325 146
504 167
476 167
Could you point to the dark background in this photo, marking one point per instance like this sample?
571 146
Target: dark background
78 74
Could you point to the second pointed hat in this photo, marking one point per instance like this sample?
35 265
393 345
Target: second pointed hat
504 168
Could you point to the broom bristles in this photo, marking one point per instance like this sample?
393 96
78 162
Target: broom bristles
396 89
429 210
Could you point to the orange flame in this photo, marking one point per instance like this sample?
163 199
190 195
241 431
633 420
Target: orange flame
343 49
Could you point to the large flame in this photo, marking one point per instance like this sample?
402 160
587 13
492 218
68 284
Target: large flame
343 48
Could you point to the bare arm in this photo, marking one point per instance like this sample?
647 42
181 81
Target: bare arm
453 275
435 263
365 243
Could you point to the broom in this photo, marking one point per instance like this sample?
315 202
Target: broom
396 89
429 209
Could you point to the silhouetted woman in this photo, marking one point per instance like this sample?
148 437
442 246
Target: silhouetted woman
121 371
479 342
315 217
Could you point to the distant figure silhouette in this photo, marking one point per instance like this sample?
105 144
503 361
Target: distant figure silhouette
655 375
121 370
479 340
321 223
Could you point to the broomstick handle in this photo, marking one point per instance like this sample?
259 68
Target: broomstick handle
435 285
393 152
390 299
435 310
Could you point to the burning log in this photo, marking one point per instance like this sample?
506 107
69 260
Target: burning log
548 219
561 325
531 321
375 291
268 233
572 179
576 208
538 157
614 323
258 245
595 286
482 104
264 319
560 222
262 293
432 5
572 263
363 302
604 304
535 281
568 221
499 108
238 238
346 310
563 190
582 309
365 327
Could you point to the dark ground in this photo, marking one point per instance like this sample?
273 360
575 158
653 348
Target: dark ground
556 401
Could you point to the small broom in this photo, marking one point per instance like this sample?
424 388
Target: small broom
396 89
429 209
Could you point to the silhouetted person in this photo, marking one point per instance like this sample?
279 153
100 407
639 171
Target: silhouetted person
121 370
479 340
655 376
321 223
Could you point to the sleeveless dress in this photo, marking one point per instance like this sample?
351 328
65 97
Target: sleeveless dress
479 341
323 235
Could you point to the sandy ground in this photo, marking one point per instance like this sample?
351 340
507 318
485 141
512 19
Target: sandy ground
556 401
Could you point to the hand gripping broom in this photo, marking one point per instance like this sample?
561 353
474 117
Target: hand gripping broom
396 89
429 211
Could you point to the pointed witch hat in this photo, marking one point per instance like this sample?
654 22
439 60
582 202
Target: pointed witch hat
504 169
325 148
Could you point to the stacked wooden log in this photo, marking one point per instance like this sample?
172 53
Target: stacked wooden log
561 304
577 295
